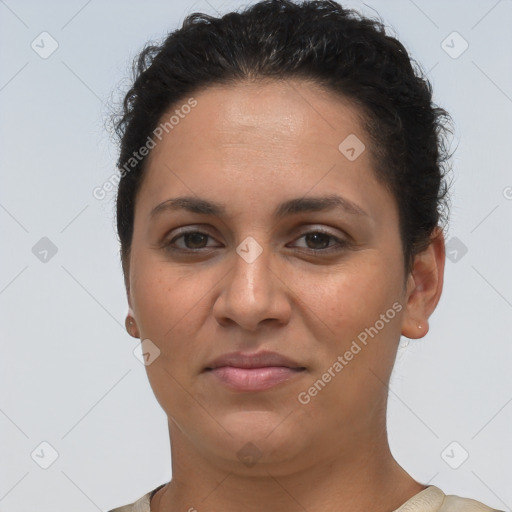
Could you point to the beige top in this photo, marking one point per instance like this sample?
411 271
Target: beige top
431 499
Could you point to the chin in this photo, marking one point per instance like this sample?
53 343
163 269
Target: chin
268 432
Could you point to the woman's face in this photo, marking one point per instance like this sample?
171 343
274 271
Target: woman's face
320 286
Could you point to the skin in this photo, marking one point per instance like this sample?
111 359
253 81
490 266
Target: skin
252 146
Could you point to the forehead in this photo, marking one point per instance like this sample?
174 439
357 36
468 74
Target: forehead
263 138
266 111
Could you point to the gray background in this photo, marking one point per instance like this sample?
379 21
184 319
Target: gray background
69 376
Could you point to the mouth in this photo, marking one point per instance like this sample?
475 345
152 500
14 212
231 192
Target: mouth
253 371
253 379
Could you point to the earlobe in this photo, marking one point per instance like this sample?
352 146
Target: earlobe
424 287
131 325
130 322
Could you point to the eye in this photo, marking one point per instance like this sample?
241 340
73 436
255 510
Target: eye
320 241
193 240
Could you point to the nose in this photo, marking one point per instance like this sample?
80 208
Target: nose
253 292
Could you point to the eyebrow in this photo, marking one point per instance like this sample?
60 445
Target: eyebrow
290 207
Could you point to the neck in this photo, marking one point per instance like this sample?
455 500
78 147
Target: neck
357 481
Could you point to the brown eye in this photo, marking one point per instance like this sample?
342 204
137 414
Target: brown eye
193 240
196 239
319 241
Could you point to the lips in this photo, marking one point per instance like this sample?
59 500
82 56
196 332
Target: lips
253 372
255 360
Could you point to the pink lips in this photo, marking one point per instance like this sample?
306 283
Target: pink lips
253 372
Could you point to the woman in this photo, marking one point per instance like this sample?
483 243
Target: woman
280 213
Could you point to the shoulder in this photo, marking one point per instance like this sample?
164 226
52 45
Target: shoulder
140 505
433 499
452 503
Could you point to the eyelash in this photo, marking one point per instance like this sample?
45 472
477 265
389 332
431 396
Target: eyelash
341 244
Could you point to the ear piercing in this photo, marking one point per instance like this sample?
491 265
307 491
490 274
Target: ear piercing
128 323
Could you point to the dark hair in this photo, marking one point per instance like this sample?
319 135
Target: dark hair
319 41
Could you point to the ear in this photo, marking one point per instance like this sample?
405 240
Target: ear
130 322
424 287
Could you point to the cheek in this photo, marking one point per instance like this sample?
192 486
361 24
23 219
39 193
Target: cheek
351 306
169 312
350 298
358 311
164 301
